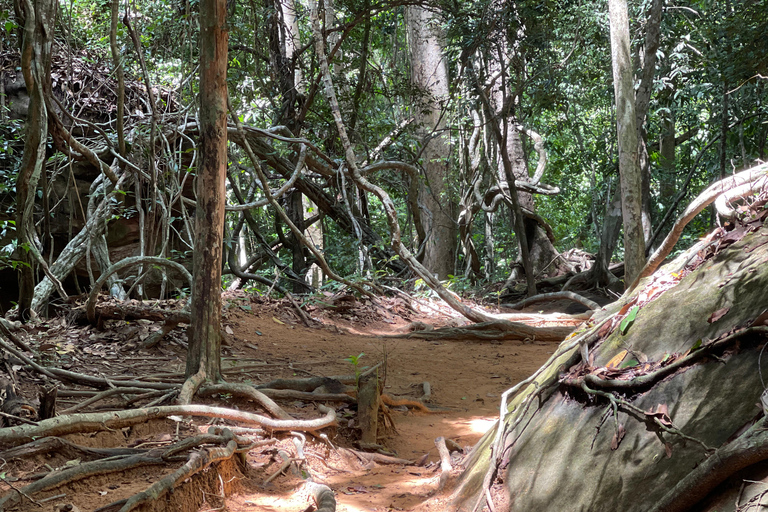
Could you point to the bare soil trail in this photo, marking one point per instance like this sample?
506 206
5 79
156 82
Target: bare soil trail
264 340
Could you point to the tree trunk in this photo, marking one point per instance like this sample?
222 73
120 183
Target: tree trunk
38 24
642 100
626 126
542 253
430 75
668 182
204 332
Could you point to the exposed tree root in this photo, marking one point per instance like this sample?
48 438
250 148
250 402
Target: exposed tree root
322 495
103 395
51 444
375 457
647 380
413 404
79 378
702 201
308 396
190 387
445 462
542 297
90 305
80 472
747 449
243 390
197 462
92 422
495 330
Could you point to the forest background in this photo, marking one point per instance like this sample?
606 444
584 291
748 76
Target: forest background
494 148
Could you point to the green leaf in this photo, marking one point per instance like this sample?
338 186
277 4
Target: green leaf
629 362
628 320
696 346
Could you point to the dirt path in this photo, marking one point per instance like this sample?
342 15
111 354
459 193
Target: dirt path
265 341
465 377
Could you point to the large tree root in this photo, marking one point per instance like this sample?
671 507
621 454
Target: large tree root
322 496
57 444
197 462
542 297
80 472
245 391
749 448
702 201
495 330
92 422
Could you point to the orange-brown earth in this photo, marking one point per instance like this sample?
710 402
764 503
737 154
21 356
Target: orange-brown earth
265 341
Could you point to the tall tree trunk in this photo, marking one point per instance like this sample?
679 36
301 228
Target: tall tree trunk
430 74
38 21
626 127
642 100
204 332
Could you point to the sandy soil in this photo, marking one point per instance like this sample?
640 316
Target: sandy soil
264 341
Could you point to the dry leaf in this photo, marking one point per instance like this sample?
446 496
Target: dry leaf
616 360
717 315
668 450
618 436
276 320
626 307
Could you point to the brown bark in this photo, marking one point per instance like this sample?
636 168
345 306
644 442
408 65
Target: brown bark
205 329
38 25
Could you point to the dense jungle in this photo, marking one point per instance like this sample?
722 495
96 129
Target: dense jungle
425 255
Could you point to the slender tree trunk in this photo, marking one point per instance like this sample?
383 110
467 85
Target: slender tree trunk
205 330
667 159
626 126
430 74
642 100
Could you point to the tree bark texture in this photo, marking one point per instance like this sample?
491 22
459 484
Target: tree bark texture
204 332
430 75
626 127
39 22
642 100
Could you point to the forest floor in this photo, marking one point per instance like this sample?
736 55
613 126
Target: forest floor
264 341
